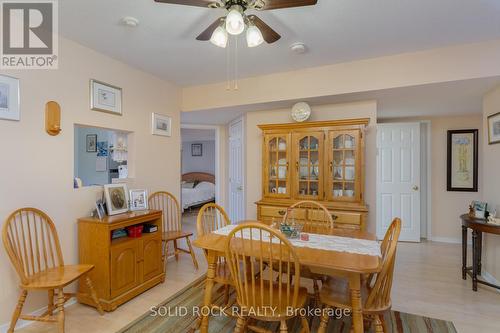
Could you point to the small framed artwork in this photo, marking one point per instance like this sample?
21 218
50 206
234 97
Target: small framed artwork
479 209
9 98
462 160
105 97
161 125
91 143
101 212
116 198
138 199
197 149
494 128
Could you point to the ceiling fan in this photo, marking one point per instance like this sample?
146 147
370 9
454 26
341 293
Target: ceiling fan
236 21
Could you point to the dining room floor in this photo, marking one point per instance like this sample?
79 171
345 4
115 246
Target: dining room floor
427 282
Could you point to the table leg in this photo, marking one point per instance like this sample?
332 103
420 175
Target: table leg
357 311
474 259
207 299
480 251
464 252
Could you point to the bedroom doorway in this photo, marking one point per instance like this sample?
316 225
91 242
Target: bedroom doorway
200 179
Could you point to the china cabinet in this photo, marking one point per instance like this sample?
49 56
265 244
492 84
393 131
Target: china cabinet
319 161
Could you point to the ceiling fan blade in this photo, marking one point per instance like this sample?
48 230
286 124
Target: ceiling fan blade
207 34
277 4
197 3
270 36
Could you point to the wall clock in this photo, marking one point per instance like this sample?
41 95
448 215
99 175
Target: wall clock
301 112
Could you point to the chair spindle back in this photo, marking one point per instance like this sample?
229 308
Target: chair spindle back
317 215
380 294
168 204
250 248
31 241
211 217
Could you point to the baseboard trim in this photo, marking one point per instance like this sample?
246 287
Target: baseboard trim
491 279
450 240
23 323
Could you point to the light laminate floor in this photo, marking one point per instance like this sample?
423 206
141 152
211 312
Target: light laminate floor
427 282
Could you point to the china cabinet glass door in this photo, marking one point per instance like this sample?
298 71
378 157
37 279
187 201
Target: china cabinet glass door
308 165
344 174
277 160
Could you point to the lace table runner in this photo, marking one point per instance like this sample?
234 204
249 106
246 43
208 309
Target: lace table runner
320 242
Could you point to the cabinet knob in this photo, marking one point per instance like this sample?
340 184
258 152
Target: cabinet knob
334 217
282 212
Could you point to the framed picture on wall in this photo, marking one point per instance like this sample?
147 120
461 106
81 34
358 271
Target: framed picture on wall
91 143
9 98
105 97
196 149
462 160
494 128
161 125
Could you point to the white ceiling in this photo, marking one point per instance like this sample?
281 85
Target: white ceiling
334 31
195 134
442 99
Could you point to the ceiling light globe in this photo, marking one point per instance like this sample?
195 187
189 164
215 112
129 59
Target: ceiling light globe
254 36
219 37
235 24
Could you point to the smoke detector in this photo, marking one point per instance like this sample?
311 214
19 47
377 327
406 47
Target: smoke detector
130 21
298 48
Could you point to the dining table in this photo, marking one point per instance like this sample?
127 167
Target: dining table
348 264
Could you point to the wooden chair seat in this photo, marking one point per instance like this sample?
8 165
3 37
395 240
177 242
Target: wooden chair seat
56 277
174 235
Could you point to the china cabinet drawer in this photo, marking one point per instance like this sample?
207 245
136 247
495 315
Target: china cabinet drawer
347 219
279 212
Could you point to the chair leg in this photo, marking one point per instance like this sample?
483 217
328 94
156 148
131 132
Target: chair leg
316 292
17 310
60 308
93 294
283 327
305 325
50 306
176 251
226 294
240 325
379 327
195 262
324 321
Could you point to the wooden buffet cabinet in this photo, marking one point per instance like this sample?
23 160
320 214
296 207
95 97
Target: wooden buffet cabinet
124 267
319 161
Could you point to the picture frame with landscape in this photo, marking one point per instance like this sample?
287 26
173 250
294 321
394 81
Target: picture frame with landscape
161 125
105 97
9 98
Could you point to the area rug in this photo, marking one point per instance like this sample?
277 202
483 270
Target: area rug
178 314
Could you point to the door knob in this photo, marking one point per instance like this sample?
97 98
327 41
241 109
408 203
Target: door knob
415 188
240 188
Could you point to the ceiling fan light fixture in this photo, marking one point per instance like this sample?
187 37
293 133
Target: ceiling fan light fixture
219 37
235 23
254 36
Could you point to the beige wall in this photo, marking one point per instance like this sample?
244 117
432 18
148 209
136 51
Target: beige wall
445 64
37 169
491 190
447 206
366 109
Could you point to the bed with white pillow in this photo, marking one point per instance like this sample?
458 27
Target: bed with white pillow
197 188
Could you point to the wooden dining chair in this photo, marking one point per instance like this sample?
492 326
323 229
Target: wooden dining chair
313 216
310 213
30 239
254 245
212 217
376 293
172 226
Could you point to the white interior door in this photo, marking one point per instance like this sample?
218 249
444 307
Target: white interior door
236 172
398 179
